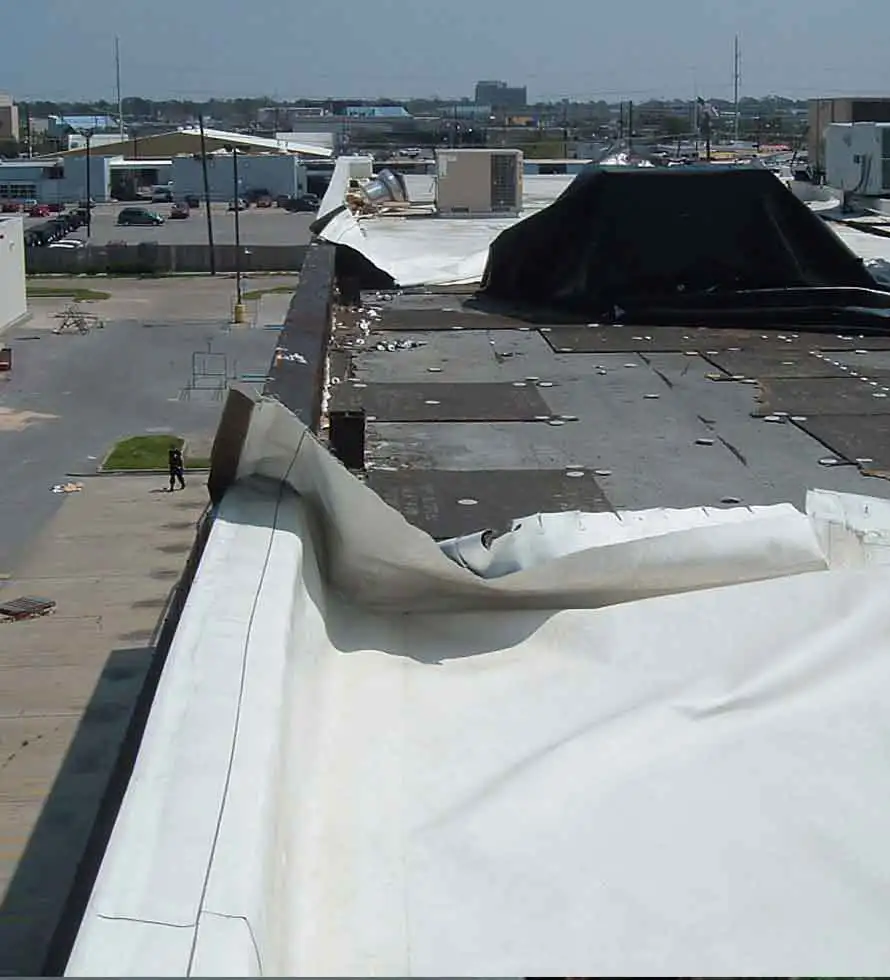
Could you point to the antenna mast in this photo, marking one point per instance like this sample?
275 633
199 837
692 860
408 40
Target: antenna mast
120 100
736 75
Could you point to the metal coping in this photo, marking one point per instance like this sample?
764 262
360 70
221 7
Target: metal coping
298 383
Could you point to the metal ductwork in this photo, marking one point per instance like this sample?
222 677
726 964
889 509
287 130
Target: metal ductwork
386 186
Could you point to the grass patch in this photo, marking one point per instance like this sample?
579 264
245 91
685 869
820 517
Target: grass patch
75 292
148 453
259 293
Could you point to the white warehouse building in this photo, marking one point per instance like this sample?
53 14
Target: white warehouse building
276 166
63 180
271 172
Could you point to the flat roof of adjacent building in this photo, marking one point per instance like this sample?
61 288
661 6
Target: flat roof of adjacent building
35 163
188 140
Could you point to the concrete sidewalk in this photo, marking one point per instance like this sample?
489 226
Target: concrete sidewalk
69 684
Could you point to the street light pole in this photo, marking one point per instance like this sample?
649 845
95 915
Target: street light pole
89 135
239 311
210 245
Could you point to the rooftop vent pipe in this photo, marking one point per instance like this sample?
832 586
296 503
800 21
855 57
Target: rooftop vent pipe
386 186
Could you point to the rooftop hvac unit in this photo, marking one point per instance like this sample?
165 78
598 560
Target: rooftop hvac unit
857 158
478 182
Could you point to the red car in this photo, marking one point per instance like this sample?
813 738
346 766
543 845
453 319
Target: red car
10 207
40 211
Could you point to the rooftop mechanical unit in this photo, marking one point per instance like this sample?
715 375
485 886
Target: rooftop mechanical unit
470 183
857 158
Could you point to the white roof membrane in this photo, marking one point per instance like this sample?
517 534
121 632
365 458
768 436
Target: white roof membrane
657 748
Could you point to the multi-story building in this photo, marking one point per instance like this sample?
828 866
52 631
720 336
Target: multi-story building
500 95
9 118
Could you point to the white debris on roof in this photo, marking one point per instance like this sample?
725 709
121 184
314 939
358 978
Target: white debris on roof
865 245
426 249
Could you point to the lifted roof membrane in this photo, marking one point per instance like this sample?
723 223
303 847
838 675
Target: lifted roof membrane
658 748
634 244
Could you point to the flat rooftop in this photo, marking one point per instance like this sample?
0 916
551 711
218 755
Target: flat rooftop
466 807
473 420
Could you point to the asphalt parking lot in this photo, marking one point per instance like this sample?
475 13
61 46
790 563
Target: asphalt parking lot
70 397
259 226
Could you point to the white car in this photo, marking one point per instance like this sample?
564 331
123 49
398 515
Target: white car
69 243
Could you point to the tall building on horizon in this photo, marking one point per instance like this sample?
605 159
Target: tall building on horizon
500 95
9 118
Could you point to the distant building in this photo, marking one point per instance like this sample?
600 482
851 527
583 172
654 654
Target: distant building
60 126
275 174
308 136
500 95
76 141
823 112
467 110
376 112
53 181
280 117
9 118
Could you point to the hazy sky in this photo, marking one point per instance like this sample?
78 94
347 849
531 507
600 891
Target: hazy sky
574 49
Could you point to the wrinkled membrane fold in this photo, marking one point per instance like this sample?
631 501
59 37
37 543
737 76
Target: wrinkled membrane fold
658 747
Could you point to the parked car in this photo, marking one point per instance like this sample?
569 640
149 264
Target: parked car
264 202
139 216
161 195
239 205
39 211
10 207
256 194
59 226
72 244
305 202
192 200
31 202
179 210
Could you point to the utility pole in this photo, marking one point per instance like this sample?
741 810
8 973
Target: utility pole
736 74
120 99
28 134
89 135
207 197
630 127
239 299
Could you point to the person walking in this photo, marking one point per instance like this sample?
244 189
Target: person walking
177 467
